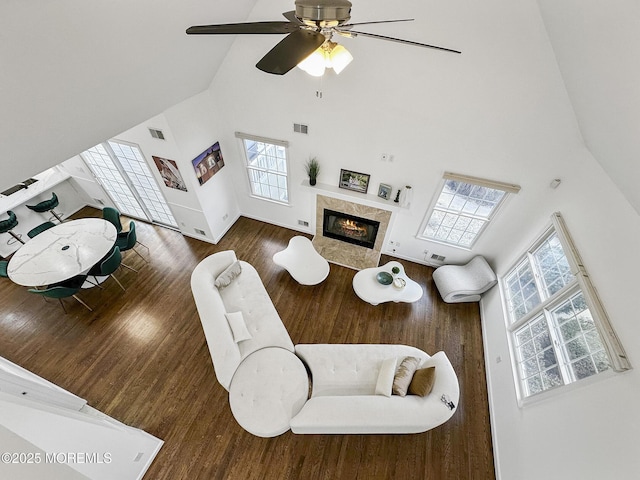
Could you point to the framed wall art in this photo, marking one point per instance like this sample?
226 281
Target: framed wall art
170 174
208 163
358 182
384 191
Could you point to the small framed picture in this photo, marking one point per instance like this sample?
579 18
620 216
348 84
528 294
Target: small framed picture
358 182
384 191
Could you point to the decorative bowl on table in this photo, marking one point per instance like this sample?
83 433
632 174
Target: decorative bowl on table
399 282
384 278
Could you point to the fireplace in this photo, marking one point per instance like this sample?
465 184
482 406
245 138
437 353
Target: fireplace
349 228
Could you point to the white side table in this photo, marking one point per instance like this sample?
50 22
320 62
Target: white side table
267 390
367 287
302 261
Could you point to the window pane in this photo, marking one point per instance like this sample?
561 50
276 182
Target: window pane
580 341
553 265
537 359
522 293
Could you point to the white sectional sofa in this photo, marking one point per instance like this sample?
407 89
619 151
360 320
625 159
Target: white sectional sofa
344 376
245 294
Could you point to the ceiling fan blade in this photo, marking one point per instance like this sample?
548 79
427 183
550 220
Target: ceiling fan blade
243 28
353 33
349 25
291 16
294 48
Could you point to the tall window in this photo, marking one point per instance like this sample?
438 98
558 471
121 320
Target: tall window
267 169
124 174
463 209
559 330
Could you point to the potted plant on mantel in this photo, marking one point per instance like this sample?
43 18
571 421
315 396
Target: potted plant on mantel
313 169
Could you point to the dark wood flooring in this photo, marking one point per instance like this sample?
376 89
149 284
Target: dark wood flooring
141 357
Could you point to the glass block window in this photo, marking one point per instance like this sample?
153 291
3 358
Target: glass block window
554 337
267 168
462 210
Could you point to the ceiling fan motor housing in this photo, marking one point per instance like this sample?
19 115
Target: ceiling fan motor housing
322 12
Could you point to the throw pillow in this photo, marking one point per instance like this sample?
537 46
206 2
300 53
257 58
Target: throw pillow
238 327
404 374
385 377
227 276
422 381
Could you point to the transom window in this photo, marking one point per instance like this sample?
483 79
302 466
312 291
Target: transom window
267 169
463 209
556 319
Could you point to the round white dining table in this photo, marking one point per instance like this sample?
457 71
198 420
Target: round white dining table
62 252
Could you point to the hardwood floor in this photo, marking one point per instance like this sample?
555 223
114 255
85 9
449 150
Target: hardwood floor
141 357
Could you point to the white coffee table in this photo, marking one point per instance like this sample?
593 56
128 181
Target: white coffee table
267 390
367 287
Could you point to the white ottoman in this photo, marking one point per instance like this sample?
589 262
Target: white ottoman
302 261
267 390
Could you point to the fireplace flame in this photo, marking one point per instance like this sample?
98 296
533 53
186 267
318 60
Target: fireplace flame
352 228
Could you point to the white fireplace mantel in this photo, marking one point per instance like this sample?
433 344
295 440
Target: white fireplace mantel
371 200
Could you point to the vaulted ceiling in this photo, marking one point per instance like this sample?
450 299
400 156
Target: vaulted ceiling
74 73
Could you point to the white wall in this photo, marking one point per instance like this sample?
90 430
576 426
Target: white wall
597 45
189 129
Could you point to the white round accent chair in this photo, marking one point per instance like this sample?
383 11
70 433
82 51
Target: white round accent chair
302 261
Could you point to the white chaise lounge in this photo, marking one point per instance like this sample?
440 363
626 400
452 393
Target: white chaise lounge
464 283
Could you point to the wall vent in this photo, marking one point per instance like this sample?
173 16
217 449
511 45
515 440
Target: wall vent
437 258
299 128
200 232
155 133
304 223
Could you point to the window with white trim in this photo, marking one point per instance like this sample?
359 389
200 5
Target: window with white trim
463 209
559 331
267 167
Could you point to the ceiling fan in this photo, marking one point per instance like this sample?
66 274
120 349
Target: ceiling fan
309 29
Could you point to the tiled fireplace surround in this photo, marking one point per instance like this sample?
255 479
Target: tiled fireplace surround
346 254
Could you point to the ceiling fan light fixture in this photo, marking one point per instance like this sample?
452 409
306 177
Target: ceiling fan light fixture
340 58
328 55
314 64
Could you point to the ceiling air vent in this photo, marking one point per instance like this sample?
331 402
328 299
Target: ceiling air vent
299 128
155 133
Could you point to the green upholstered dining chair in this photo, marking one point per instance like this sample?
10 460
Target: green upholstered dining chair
40 228
127 240
7 226
3 268
65 289
107 266
113 216
48 206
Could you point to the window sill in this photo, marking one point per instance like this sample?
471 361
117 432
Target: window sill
270 200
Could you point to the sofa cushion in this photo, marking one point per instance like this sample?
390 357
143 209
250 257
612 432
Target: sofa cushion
247 294
349 369
404 374
226 277
238 327
422 381
385 377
